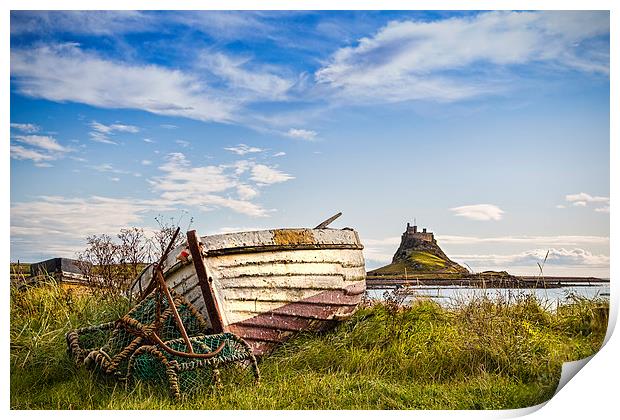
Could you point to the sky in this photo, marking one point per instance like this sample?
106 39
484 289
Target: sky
490 129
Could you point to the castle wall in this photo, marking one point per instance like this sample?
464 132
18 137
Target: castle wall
423 236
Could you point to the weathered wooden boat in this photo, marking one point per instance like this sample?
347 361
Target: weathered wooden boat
265 286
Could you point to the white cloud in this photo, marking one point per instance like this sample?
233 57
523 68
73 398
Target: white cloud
43 142
183 143
208 186
108 167
279 154
22 153
58 224
148 141
409 60
243 149
263 174
481 212
560 240
298 133
26 128
100 22
255 82
245 192
226 25
43 148
381 250
66 73
101 133
114 179
586 198
211 186
561 256
168 126
146 162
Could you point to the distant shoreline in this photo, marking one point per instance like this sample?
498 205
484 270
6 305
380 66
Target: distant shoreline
472 280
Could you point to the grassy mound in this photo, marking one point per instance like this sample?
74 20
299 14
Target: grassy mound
486 354
417 262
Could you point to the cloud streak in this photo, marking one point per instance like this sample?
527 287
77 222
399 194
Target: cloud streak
481 212
64 72
413 60
298 133
243 149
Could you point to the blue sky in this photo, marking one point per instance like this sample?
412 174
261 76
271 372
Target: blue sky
490 128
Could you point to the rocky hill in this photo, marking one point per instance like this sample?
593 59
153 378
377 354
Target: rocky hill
419 253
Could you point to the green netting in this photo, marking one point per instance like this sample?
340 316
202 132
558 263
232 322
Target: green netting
185 375
126 350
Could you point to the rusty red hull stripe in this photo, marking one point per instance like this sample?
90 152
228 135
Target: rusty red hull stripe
264 331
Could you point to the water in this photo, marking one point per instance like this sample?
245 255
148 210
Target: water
450 295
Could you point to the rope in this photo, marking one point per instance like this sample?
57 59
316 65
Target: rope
125 349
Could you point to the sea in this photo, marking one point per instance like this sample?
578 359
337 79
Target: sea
455 295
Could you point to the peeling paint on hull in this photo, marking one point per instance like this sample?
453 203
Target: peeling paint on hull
272 284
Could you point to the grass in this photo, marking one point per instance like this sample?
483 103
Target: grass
417 263
486 354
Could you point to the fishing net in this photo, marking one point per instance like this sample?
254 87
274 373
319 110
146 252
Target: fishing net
186 376
126 350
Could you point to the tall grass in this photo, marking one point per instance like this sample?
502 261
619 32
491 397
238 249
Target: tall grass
487 353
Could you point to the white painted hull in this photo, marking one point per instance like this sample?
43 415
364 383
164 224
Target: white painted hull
271 284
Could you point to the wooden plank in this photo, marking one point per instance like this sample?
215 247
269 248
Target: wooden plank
327 222
213 310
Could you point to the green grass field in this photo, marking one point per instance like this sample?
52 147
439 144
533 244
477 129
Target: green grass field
482 355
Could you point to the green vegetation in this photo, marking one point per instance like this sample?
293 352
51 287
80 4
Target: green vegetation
487 354
417 262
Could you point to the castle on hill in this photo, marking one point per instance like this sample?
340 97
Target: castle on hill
412 233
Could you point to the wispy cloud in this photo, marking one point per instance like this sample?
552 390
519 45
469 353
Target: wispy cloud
482 212
47 143
183 143
558 257
538 240
26 128
243 149
108 167
279 154
409 60
101 133
22 153
253 82
299 133
64 72
41 150
65 222
82 22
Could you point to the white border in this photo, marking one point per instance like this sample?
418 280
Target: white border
593 394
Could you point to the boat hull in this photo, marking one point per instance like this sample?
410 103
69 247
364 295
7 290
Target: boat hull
270 285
